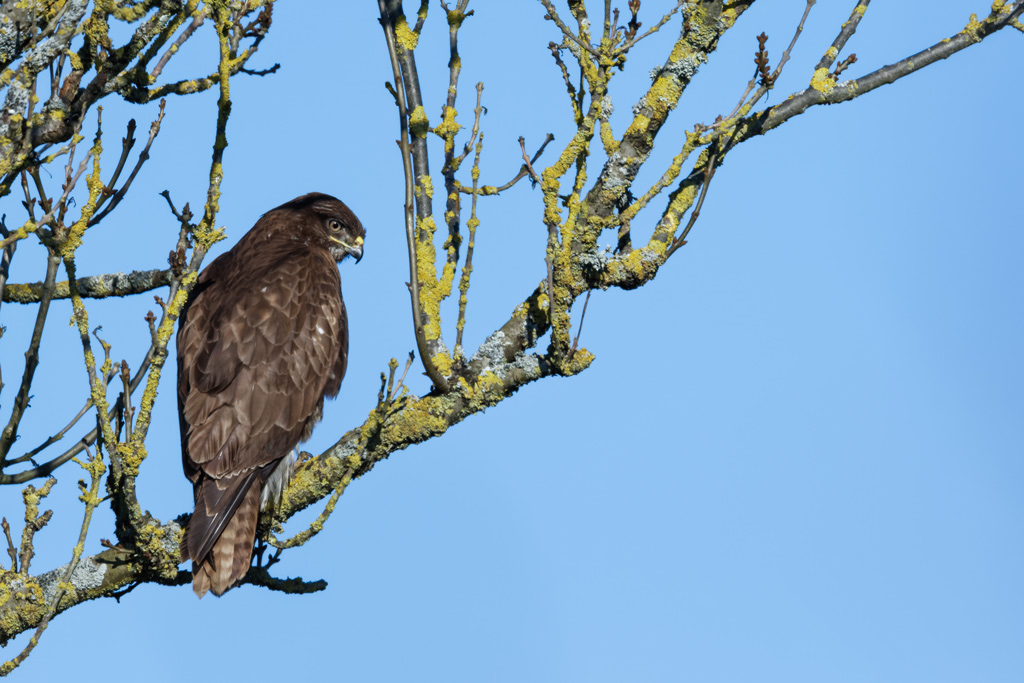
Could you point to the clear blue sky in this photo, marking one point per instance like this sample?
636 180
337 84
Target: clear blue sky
797 456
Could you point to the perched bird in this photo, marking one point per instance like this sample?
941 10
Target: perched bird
262 340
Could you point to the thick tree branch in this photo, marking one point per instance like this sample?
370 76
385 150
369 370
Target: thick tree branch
92 287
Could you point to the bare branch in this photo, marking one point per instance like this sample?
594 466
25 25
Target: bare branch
467 267
654 29
154 129
258 576
523 172
526 160
198 17
10 432
823 90
556 53
552 15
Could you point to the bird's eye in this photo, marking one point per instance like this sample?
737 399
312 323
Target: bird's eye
335 225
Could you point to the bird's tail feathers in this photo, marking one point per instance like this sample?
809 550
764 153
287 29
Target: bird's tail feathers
216 503
229 558
219 505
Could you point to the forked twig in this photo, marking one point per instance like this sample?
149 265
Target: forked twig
553 16
526 158
523 172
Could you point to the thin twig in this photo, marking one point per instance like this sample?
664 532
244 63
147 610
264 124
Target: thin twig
28 457
556 53
654 29
607 31
318 524
6 255
127 410
154 129
11 550
127 142
50 466
553 16
792 43
32 226
260 72
10 432
476 125
551 279
765 87
695 214
467 267
386 382
34 521
401 380
448 132
579 330
421 16
523 172
197 20
526 159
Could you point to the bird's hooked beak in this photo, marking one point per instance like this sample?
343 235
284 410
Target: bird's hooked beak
354 250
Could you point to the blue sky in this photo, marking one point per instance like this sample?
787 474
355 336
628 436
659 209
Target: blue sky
797 456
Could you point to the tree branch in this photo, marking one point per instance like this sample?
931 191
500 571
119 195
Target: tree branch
414 162
92 287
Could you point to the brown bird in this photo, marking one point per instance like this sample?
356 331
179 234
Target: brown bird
262 340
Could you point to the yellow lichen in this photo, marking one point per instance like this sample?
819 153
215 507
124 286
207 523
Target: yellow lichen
485 392
418 123
608 138
443 362
405 36
973 28
448 128
822 82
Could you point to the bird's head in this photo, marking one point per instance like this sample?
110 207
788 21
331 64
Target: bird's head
330 224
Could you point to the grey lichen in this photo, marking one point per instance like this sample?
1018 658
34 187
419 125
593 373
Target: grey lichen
594 264
168 541
88 575
527 364
491 352
621 169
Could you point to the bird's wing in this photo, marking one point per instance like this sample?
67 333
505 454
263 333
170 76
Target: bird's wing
258 355
341 361
255 355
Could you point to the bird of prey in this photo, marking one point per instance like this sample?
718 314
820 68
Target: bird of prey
262 340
